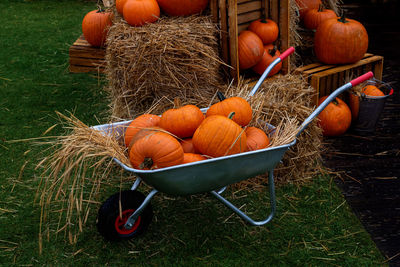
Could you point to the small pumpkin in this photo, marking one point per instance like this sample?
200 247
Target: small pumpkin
182 7
256 138
270 54
187 145
354 105
340 41
142 121
266 29
250 49
192 157
306 5
219 136
156 150
181 121
372 90
242 109
335 119
95 27
141 12
314 17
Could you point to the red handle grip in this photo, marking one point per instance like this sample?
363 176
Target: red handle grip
285 54
362 78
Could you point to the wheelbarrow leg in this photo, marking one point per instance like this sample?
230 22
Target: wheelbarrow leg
131 220
242 214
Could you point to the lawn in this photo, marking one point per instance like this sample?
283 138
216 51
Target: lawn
313 226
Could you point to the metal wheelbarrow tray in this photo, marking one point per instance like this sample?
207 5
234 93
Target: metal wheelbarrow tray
128 213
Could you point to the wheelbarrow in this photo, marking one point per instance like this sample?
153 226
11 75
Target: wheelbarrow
128 213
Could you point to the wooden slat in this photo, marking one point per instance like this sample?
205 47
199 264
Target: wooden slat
274 10
249 17
214 10
284 22
315 84
86 62
233 38
378 69
248 7
242 27
87 53
224 31
81 69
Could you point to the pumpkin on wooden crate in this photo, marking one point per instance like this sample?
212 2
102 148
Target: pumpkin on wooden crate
256 138
239 105
156 150
182 7
270 54
266 29
95 27
335 119
140 122
219 136
340 41
314 17
250 49
181 121
140 12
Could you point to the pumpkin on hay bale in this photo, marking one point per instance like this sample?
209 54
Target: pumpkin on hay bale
174 57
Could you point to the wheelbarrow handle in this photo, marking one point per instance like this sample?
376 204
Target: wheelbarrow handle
284 55
331 97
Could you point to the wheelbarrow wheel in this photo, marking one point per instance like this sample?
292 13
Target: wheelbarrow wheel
110 222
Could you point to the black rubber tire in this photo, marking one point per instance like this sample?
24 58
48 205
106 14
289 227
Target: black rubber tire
109 213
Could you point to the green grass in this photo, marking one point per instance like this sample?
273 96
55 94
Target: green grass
314 225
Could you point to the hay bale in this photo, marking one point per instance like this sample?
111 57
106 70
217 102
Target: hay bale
174 57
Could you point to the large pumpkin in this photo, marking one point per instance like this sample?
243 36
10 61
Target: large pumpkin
314 17
256 138
306 5
250 49
140 12
335 119
95 27
340 41
181 121
242 109
140 122
119 5
270 54
156 150
219 136
266 29
182 7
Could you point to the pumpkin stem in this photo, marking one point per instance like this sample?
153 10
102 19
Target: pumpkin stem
320 8
335 101
343 18
264 20
177 102
230 116
221 96
146 164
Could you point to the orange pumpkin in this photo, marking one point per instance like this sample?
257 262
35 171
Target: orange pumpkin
256 138
354 105
270 54
340 41
242 109
95 27
187 145
119 5
156 150
335 119
266 29
314 17
142 121
372 90
250 49
181 121
182 7
219 136
140 12
306 5
144 132
192 157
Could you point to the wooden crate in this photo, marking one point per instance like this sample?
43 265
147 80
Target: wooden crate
85 58
326 78
234 16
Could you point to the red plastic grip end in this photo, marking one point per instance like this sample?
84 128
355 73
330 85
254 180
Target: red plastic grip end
362 78
285 54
